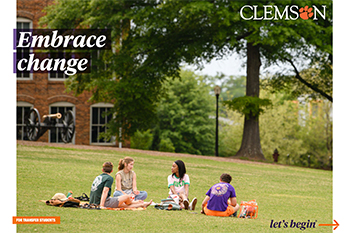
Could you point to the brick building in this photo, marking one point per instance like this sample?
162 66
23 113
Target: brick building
46 92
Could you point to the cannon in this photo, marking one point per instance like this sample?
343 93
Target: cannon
35 128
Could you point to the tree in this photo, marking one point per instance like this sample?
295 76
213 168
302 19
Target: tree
121 77
298 129
280 128
231 86
184 115
317 133
141 140
318 76
230 133
193 32
164 34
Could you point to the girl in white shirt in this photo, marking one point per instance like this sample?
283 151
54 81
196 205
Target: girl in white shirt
178 184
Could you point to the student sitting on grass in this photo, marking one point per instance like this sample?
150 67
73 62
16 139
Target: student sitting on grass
101 191
125 180
217 202
178 183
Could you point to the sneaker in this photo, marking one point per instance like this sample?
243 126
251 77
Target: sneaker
186 204
193 204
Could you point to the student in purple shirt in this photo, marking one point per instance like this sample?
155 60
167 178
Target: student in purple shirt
221 198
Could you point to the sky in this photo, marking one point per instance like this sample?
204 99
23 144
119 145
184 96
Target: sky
234 65
230 65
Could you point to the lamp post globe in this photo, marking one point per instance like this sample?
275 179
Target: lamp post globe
217 90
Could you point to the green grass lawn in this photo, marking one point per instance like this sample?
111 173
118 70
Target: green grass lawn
282 192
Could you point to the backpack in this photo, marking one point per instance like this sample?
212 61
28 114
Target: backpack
67 203
248 209
83 197
71 203
168 204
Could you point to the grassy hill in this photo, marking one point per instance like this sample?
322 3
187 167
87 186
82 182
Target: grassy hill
284 194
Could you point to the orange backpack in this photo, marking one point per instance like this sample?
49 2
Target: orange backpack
248 209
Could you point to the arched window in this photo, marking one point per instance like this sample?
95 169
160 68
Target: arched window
60 107
23 109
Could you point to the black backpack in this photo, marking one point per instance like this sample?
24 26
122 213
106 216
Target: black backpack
66 203
83 197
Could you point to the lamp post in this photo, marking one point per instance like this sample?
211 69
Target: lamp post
217 91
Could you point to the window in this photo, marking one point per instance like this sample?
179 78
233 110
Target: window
57 75
59 107
23 109
23 24
98 120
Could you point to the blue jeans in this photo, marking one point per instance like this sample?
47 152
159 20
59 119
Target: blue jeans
142 196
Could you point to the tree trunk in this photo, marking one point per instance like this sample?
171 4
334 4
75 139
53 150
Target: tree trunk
251 147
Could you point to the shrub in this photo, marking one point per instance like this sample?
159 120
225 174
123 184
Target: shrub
166 145
141 140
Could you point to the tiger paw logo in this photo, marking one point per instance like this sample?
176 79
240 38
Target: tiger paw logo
306 12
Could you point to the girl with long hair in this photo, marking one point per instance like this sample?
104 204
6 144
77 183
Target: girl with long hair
178 184
125 180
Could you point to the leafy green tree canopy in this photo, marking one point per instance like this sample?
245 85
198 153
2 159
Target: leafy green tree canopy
123 76
154 38
249 106
184 115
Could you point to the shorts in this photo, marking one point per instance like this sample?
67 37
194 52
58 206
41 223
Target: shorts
112 202
228 212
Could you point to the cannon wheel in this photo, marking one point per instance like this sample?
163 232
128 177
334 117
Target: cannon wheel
67 132
32 122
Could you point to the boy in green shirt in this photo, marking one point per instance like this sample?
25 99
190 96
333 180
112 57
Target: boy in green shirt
100 193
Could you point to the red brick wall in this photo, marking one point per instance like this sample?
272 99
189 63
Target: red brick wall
41 92
32 9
